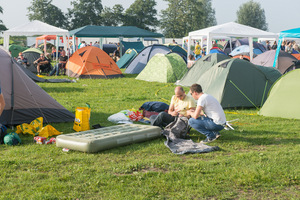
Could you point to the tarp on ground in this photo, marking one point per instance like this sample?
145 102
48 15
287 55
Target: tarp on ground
164 68
140 61
24 99
285 60
200 66
238 83
124 61
284 97
92 62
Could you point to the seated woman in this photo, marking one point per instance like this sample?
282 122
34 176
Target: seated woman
63 59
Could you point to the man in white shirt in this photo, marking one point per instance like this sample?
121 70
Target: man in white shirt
209 117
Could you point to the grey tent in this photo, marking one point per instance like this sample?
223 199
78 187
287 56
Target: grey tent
32 54
200 66
24 99
238 83
140 61
285 60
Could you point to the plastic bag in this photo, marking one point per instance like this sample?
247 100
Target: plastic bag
82 119
31 128
48 131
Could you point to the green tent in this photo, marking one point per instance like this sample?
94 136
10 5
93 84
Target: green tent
164 68
201 65
16 49
284 97
126 58
237 83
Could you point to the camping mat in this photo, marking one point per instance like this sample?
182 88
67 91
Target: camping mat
182 146
105 138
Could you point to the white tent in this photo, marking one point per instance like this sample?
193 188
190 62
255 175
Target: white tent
230 29
35 28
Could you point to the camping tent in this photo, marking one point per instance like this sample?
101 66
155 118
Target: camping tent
230 29
126 58
200 66
24 99
92 62
164 68
284 97
291 33
16 49
216 50
238 83
244 49
235 43
285 60
32 54
140 61
179 50
34 28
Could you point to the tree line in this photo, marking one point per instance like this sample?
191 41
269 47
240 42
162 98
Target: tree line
177 20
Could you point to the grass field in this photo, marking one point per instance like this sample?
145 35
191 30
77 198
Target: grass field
257 160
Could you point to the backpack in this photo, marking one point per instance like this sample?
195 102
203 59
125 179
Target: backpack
2 133
177 129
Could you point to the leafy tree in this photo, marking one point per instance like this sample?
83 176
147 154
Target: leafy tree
183 16
142 14
46 12
114 16
251 14
2 26
85 12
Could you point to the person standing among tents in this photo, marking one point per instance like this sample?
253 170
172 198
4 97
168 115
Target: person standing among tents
212 120
197 51
288 47
180 104
274 46
2 102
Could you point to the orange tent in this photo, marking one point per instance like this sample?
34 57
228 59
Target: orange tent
297 56
92 62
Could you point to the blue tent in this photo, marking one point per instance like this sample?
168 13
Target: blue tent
215 50
127 58
244 49
291 33
140 61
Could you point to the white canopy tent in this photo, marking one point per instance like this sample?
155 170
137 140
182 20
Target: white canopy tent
230 29
35 28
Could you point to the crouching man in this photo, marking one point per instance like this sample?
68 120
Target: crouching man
212 120
180 104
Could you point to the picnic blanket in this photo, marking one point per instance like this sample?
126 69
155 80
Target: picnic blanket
175 133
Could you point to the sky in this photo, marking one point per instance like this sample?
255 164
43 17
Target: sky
280 14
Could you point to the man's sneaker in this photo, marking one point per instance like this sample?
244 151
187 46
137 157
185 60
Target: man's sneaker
217 134
208 140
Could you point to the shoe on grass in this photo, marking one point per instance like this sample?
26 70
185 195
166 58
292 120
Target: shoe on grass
208 140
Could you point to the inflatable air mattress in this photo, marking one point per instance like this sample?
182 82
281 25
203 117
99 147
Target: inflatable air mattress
109 137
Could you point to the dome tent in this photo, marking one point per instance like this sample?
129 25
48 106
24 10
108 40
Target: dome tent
164 68
92 62
24 99
284 96
238 83
199 67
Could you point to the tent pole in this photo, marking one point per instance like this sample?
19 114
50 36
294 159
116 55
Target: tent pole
250 39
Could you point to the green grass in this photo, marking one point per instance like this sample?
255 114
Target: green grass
257 160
